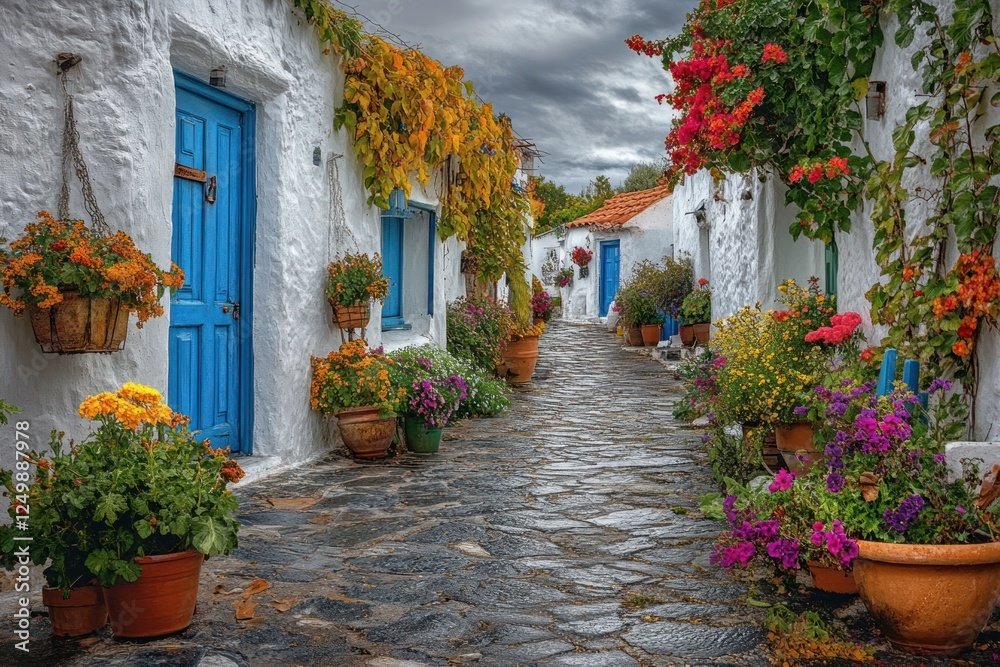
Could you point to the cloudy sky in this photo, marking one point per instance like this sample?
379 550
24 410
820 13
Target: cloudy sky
559 68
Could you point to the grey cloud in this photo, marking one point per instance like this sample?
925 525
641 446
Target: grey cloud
560 69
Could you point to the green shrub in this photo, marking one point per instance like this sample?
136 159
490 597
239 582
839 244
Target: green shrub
478 327
486 395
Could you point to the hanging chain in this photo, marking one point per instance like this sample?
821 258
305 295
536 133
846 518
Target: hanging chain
72 158
336 216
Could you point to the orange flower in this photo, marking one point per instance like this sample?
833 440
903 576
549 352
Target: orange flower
961 349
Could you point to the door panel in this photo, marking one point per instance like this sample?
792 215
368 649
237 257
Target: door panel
610 265
205 342
392 268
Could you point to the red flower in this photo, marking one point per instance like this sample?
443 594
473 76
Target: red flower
867 354
740 71
816 173
702 281
774 53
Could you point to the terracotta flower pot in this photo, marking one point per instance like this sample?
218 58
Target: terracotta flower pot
80 614
650 335
161 601
832 580
702 332
351 317
365 433
419 438
687 335
633 337
929 599
769 452
77 325
795 441
520 357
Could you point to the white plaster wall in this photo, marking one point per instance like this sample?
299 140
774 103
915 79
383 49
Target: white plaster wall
125 109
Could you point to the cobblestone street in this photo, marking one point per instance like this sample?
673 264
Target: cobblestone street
564 533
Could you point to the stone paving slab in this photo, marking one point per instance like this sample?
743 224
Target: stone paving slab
565 533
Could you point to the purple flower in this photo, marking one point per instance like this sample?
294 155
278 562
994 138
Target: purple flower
939 385
834 482
784 551
719 362
801 411
961 510
939 458
901 518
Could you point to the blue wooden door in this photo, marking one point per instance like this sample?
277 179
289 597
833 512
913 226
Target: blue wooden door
610 274
392 267
209 316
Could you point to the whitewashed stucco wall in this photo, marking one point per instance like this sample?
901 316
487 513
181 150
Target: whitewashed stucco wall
647 236
751 251
125 109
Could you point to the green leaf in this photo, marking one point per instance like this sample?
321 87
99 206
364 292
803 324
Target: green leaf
860 87
739 162
210 536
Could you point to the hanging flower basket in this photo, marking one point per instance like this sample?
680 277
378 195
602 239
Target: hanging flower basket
79 324
351 317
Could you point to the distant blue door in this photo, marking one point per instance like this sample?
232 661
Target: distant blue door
210 331
392 268
610 261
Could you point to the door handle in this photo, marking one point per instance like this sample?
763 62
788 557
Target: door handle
235 307
210 192
225 309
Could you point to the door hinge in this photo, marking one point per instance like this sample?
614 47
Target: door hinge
213 185
236 310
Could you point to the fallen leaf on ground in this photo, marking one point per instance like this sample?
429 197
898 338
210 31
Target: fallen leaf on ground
293 503
223 594
245 609
256 586
285 605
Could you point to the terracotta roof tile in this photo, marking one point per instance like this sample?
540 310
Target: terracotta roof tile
621 208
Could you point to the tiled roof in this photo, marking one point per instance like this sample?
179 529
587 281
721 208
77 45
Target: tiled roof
621 208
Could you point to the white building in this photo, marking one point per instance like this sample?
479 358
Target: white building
287 202
629 228
737 230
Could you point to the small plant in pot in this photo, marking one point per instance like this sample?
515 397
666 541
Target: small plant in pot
433 398
144 502
353 383
79 285
696 311
928 567
520 353
477 330
352 283
564 278
639 313
541 307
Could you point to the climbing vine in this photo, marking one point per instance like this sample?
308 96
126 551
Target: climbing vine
409 115
779 84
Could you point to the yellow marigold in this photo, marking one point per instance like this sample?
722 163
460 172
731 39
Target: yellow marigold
140 393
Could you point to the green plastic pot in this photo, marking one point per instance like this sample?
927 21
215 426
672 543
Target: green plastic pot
421 439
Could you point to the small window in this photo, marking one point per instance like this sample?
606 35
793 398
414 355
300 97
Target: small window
832 267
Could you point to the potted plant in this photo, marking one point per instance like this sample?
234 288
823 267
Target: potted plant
789 525
928 567
541 307
352 283
485 394
353 383
433 397
637 312
564 278
143 503
477 329
696 311
79 286
581 257
74 599
520 354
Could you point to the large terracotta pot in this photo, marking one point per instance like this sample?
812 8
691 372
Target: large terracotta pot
520 357
795 441
365 433
772 457
78 325
351 317
650 335
161 601
702 332
687 335
832 580
80 614
633 337
419 438
929 599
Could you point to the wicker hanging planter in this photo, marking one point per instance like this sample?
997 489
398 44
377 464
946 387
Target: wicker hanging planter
351 317
79 324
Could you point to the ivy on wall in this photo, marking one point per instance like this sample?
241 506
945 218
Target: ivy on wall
779 85
409 115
